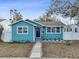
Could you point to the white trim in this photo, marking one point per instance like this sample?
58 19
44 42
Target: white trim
39 23
40 33
11 34
53 32
30 23
34 34
53 25
16 22
22 29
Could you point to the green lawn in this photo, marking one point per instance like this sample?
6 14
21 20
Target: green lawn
15 49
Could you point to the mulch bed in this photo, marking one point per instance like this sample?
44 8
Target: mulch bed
60 50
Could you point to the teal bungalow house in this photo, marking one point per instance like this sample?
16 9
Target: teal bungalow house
27 30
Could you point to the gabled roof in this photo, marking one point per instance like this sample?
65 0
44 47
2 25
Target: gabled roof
24 21
28 21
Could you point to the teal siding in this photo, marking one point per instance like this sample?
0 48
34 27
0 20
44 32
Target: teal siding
43 32
51 36
23 37
31 33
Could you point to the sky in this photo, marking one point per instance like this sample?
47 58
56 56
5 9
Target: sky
30 9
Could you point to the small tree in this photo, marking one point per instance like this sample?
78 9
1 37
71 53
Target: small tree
1 30
45 18
15 15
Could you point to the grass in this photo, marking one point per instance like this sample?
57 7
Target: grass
60 50
15 49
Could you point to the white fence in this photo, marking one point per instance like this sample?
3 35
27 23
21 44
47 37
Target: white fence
70 36
6 36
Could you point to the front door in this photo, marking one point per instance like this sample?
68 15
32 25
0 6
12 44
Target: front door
37 32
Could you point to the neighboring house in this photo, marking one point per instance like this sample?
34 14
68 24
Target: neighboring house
71 32
2 20
27 30
6 35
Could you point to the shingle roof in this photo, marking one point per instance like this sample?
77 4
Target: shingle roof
23 21
37 23
51 23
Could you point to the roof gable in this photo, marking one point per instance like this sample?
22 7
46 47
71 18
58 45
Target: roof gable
23 21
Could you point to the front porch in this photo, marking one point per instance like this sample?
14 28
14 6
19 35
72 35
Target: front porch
38 34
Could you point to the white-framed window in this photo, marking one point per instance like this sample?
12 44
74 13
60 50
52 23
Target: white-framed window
53 30
57 29
48 29
22 30
25 29
19 29
67 29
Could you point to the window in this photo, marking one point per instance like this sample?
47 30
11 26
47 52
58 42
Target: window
71 29
53 29
67 29
75 29
22 30
57 29
48 29
19 29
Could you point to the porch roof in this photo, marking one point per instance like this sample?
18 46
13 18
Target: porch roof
51 23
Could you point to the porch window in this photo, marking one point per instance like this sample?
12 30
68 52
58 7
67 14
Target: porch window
48 29
57 29
22 30
53 29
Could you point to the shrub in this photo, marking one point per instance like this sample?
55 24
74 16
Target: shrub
68 43
1 30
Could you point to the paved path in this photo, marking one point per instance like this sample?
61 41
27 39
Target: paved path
36 52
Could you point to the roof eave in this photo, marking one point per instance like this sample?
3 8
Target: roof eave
23 21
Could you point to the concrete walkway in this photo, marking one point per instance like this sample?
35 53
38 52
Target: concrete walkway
36 52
